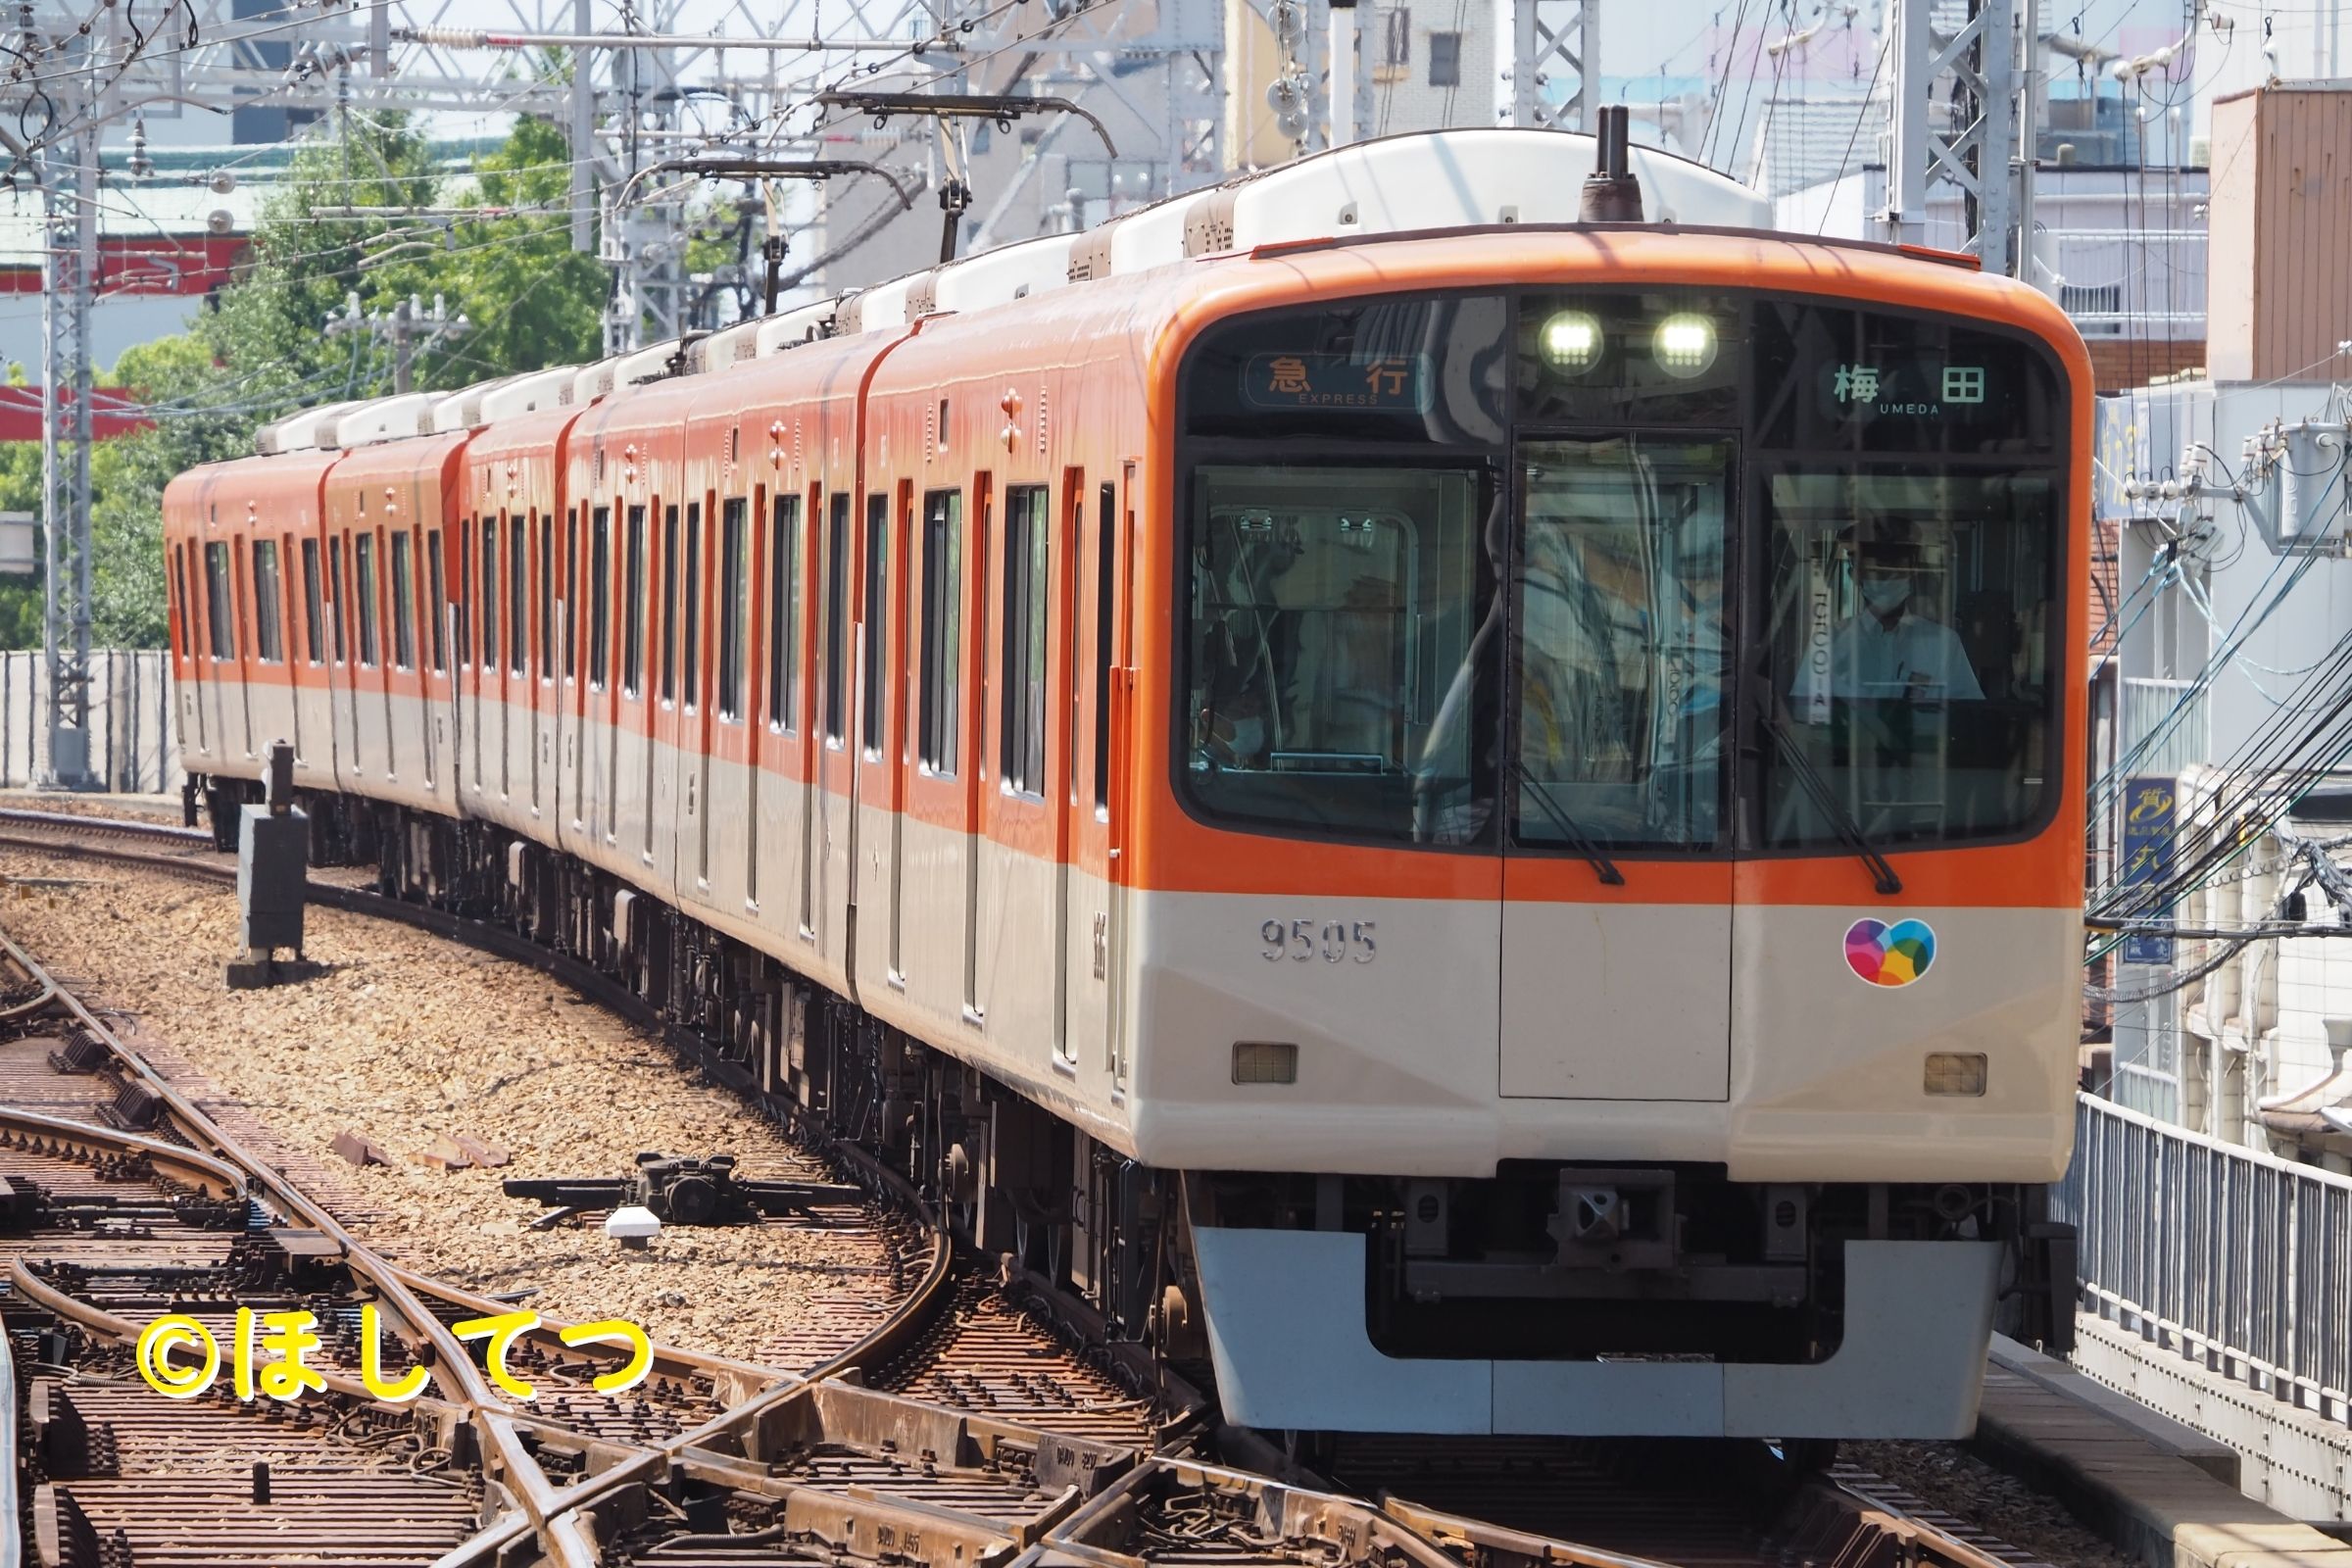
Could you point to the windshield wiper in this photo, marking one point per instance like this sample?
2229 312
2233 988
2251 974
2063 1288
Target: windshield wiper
1577 839
1882 874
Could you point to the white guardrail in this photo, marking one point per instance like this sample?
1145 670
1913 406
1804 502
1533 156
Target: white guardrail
2234 1258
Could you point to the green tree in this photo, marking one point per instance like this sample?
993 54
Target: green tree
261 350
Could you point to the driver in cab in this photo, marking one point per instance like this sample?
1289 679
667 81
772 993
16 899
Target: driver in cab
1892 649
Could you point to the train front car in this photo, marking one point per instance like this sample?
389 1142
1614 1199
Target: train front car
1612 958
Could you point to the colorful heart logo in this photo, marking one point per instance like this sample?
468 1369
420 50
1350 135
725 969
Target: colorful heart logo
1890 955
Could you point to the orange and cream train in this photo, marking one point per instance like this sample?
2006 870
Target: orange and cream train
1472 811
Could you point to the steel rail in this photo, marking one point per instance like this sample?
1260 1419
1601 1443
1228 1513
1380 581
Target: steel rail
565 1545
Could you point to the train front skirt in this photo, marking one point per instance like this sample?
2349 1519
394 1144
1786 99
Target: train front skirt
1287 1329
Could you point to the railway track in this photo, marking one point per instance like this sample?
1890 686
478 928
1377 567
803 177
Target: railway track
991 1434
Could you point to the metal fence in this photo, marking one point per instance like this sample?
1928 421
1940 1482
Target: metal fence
2237 1259
132 738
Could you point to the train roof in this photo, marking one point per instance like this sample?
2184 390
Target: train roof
1413 184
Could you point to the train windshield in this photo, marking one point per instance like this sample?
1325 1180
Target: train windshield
1621 568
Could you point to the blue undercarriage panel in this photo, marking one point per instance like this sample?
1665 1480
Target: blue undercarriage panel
1285 1328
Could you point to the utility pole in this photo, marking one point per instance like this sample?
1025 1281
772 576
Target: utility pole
69 178
1992 65
1553 40
404 326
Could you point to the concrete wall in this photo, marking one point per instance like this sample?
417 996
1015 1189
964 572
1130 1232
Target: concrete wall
135 744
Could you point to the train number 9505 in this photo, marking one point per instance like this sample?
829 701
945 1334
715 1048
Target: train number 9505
1302 941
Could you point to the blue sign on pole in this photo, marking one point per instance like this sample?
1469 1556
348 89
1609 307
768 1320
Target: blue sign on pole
2147 858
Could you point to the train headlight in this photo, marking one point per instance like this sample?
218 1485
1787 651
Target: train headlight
1572 342
1684 346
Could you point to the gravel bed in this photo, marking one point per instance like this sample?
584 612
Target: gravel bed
1949 1477
408 1037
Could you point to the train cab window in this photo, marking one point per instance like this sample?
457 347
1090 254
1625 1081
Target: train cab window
942 629
313 635
1339 631
268 609
436 600
734 606
337 596
1910 672
1022 755
632 608
1908 532
403 600
1107 551
669 604
1618 647
784 618
363 555
691 627
837 605
877 622
518 591
221 623
487 655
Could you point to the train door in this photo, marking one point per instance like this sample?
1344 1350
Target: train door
835 775
432 586
346 677
1616 879
869 759
897 675
811 536
544 691
196 623
975 631
632 661
1061 792
1091 868
241 638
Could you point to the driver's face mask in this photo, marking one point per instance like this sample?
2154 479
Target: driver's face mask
1885 593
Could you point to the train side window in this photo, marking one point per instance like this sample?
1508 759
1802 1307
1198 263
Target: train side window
335 593
544 528
519 590
600 592
632 608
488 654
436 599
216 578
734 608
268 623
693 620
670 606
403 600
942 629
465 596
1106 549
784 619
314 617
1022 759
877 620
363 556
837 604
570 595
180 597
